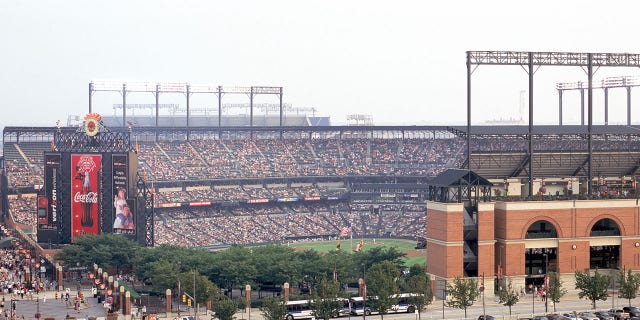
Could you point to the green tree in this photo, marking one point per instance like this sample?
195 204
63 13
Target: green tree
462 293
556 289
507 294
277 264
381 282
164 275
419 282
593 287
379 254
205 289
628 284
327 303
225 308
110 252
232 268
273 309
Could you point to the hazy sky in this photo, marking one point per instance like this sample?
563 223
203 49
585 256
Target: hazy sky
403 62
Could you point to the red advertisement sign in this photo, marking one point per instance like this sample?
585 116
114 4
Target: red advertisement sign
84 193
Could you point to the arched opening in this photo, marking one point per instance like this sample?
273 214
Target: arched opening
604 256
540 261
541 229
605 227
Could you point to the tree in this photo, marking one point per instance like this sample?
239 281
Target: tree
277 264
381 283
629 284
205 289
327 303
273 309
462 292
556 289
225 308
418 282
232 268
508 295
109 251
593 287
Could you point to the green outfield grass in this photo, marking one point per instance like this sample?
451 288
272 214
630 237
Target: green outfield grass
413 256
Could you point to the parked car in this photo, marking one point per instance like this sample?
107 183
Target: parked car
633 311
619 314
540 318
603 315
569 316
587 316
553 316
486 317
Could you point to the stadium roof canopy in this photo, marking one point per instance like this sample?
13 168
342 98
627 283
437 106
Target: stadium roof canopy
548 130
459 177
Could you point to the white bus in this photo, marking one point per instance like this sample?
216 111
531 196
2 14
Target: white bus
403 303
299 309
344 310
359 306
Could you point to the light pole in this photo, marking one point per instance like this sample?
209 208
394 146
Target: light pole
195 304
533 297
364 293
444 297
484 311
546 283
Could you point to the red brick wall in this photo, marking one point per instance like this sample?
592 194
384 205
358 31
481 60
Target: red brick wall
444 261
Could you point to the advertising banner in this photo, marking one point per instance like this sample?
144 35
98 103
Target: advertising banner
48 208
124 221
84 193
120 173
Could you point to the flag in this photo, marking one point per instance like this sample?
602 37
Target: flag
338 246
345 231
359 245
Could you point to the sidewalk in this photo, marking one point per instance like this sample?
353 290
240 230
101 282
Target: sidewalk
49 307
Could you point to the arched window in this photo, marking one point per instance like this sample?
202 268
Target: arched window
605 227
541 229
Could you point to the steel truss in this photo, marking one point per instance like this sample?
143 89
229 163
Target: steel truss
537 59
187 89
105 141
145 194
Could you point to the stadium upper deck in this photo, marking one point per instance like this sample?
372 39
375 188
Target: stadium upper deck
204 153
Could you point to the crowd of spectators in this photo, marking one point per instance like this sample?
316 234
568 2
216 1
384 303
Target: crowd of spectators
552 144
244 193
23 209
279 223
212 159
251 158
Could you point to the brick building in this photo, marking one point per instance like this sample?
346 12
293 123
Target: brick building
525 239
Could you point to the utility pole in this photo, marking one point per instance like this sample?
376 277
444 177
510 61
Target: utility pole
444 297
546 283
484 311
195 304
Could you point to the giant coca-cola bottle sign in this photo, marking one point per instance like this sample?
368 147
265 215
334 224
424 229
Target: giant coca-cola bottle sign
84 192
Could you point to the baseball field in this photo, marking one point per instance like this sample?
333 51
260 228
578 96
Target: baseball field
413 255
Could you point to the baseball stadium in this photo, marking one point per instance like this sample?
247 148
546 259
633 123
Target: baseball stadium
485 201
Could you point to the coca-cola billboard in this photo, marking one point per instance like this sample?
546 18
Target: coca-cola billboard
84 193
